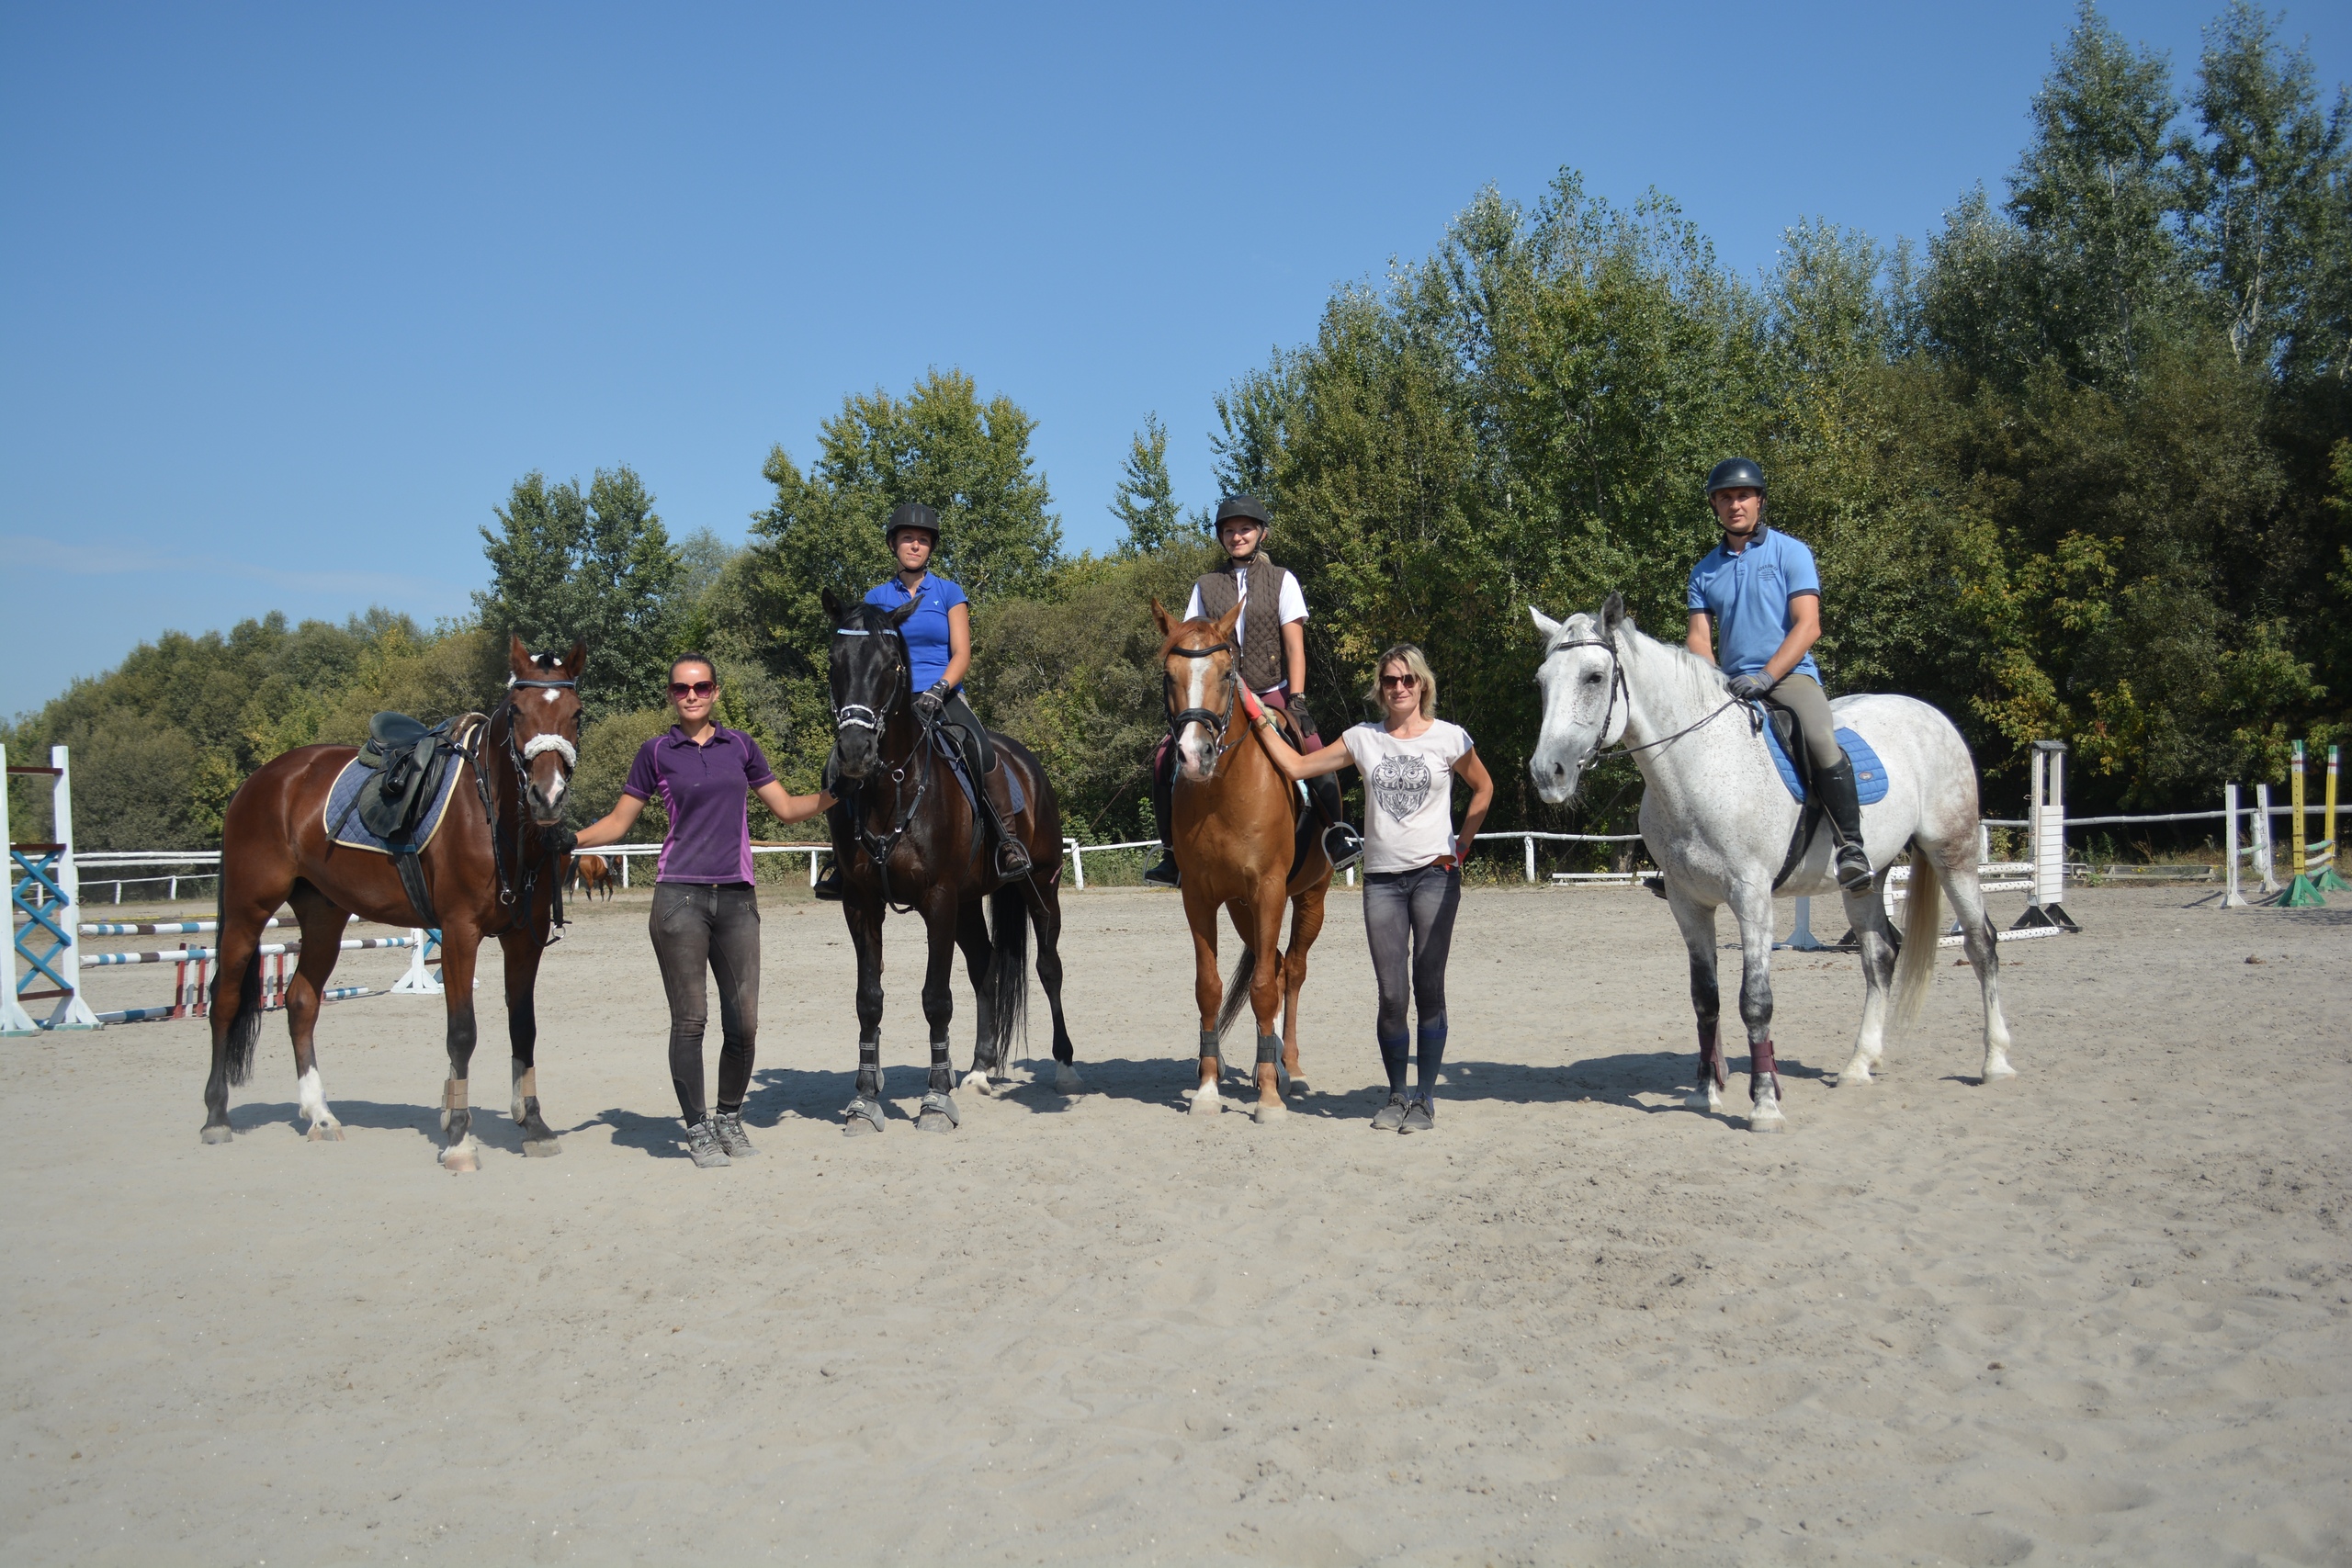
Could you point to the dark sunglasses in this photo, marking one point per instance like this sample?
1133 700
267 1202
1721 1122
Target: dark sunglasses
1400 680
699 689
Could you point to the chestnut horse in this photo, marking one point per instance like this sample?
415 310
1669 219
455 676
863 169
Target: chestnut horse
489 868
1236 829
906 837
591 875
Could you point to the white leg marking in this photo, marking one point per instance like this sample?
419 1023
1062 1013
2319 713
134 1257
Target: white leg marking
1204 1100
313 1097
1066 1078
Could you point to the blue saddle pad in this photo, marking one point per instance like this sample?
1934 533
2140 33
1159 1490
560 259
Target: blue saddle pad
354 833
1870 773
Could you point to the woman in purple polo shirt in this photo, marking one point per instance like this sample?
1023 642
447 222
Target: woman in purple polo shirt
705 912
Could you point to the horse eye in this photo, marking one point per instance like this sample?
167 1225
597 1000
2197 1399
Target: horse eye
1594 679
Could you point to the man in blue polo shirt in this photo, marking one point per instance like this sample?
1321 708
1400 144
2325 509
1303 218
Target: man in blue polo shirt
1764 595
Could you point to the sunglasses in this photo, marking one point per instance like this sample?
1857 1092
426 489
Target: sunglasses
699 689
1405 681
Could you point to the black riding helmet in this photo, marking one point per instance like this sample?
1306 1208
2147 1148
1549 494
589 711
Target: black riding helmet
1247 506
1735 473
912 514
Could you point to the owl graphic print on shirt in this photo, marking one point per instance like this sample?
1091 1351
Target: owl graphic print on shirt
1400 786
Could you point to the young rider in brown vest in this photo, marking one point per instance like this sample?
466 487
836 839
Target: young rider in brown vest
1272 649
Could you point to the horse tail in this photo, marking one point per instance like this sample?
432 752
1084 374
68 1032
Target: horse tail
1915 971
244 1030
1008 972
1236 991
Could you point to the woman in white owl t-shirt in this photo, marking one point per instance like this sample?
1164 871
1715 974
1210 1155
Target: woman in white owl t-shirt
1412 860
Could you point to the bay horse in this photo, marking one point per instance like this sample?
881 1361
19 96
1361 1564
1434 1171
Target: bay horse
1721 825
489 868
906 839
591 875
1235 838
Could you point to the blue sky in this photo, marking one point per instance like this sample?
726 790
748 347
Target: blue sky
290 297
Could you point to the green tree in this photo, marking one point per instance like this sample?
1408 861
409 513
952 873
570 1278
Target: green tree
1145 503
2262 182
598 566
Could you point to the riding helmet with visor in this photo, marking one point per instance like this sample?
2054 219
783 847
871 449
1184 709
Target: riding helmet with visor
1735 473
1247 506
912 514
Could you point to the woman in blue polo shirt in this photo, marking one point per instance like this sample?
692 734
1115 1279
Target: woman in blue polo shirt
939 642
1764 594
705 915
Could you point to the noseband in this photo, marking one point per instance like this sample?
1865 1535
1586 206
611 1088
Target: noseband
857 715
1216 722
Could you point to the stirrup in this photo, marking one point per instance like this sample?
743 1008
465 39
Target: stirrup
1351 845
1854 873
1010 847
1165 874
828 885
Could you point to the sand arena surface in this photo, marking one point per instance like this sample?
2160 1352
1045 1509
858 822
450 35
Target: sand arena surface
2099 1314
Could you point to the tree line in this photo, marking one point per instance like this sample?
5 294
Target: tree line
2078 468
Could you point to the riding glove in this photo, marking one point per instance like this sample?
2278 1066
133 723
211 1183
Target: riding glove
560 839
1752 688
930 702
1299 714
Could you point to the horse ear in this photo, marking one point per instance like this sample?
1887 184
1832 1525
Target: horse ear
1166 622
1612 613
899 616
1545 626
576 658
519 657
833 607
1225 623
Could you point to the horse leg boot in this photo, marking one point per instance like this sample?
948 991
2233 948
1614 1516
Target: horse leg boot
1204 1098
1755 912
938 1112
459 1151
1835 786
1269 1063
864 1112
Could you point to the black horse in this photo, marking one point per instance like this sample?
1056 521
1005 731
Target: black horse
905 834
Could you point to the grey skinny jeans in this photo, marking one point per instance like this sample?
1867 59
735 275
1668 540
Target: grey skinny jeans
1803 697
699 925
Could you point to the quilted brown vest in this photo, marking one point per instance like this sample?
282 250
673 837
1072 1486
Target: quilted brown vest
1262 629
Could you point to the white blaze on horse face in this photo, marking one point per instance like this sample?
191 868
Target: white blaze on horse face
1196 748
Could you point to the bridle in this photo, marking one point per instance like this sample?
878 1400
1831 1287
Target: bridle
1215 722
519 755
880 847
1616 684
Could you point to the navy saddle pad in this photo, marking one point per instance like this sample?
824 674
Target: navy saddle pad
1870 773
353 832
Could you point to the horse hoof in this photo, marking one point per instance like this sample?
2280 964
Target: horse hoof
220 1135
934 1122
459 1162
1297 1086
1065 1079
1854 1078
858 1127
977 1082
325 1132
1206 1104
1996 1070
1699 1100
542 1148
1768 1122
1271 1110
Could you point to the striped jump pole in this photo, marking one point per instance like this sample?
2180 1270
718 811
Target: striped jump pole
2326 881
2300 894
45 890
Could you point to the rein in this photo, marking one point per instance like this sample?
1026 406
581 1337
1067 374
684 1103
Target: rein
1617 683
1216 722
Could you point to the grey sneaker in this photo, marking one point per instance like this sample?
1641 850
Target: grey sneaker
1420 1117
736 1142
1391 1116
701 1142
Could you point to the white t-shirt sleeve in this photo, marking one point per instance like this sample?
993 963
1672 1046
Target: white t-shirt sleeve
1193 606
1293 603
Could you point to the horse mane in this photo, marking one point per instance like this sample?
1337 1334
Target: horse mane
1693 676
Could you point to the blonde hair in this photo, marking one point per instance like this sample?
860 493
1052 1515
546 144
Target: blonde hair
1410 656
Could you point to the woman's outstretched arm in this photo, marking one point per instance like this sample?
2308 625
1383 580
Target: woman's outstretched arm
1329 760
613 826
793 808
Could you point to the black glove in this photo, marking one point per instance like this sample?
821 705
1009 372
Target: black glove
560 839
1752 688
928 703
1299 716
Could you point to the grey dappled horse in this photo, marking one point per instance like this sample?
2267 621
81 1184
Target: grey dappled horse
1718 821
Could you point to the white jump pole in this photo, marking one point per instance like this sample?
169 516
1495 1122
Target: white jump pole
2233 899
2263 861
2046 816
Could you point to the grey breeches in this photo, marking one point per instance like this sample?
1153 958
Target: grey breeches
1803 697
701 929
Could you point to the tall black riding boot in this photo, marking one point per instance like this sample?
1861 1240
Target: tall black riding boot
1836 787
1011 857
828 885
1341 841
1164 813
